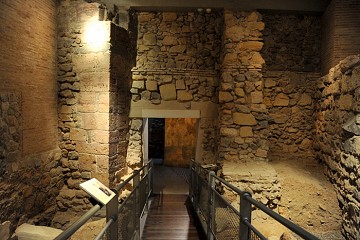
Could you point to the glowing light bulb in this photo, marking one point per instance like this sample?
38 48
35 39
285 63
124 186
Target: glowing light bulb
96 34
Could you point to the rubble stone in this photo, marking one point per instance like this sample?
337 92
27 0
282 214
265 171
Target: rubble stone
342 159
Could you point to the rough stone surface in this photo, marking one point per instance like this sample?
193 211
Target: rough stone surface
241 89
292 42
89 230
31 232
258 178
179 54
184 96
28 117
5 230
291 121
134 156
168 92
337 143
94 98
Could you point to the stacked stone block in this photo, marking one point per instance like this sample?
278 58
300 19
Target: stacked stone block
337 137
209 142
177 57
134 156
243 115
87 122
179 85
292 63
10 130
289 98
178 40
177 64
291 42
119 101
94 95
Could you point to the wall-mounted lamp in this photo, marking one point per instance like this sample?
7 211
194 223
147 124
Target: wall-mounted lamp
96 34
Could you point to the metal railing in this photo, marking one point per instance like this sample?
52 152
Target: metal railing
122 219
219 219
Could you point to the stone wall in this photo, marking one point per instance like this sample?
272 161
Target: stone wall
243 115
289 98
93 103
340 32
119 101
134 156
29 157
209 137
291 42
183 86
292 63
179 40
337 137
177 57
177 68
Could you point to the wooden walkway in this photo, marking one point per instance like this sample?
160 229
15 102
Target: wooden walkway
169 219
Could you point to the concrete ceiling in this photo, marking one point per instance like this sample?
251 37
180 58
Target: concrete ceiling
182 5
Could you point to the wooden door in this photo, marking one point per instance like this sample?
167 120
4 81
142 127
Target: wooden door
180 141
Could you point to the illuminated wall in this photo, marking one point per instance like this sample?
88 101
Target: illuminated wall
29 153
83 106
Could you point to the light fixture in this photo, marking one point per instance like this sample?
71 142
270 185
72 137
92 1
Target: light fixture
96 34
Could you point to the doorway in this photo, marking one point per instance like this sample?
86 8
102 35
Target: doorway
171 145
172 141
156 140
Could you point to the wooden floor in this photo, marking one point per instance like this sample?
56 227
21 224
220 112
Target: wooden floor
169 219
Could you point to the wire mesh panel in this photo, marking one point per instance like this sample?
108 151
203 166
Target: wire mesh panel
143 193
254 236
226 220
127 218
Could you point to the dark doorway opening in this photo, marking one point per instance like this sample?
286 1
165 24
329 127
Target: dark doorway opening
156 140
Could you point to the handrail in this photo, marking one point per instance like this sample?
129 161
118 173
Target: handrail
103 231
287 223
112 207
76 225
245 229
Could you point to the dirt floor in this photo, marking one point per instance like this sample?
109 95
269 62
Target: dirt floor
307 198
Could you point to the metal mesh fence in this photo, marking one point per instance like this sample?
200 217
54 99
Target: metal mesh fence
226 220
143 193
127 218
254 236
203 198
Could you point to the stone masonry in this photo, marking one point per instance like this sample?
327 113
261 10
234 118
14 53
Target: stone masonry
292 64
30 176
289 97
93 104
243 115
177 63
177 57
338 136
10 130
119 101
291 42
